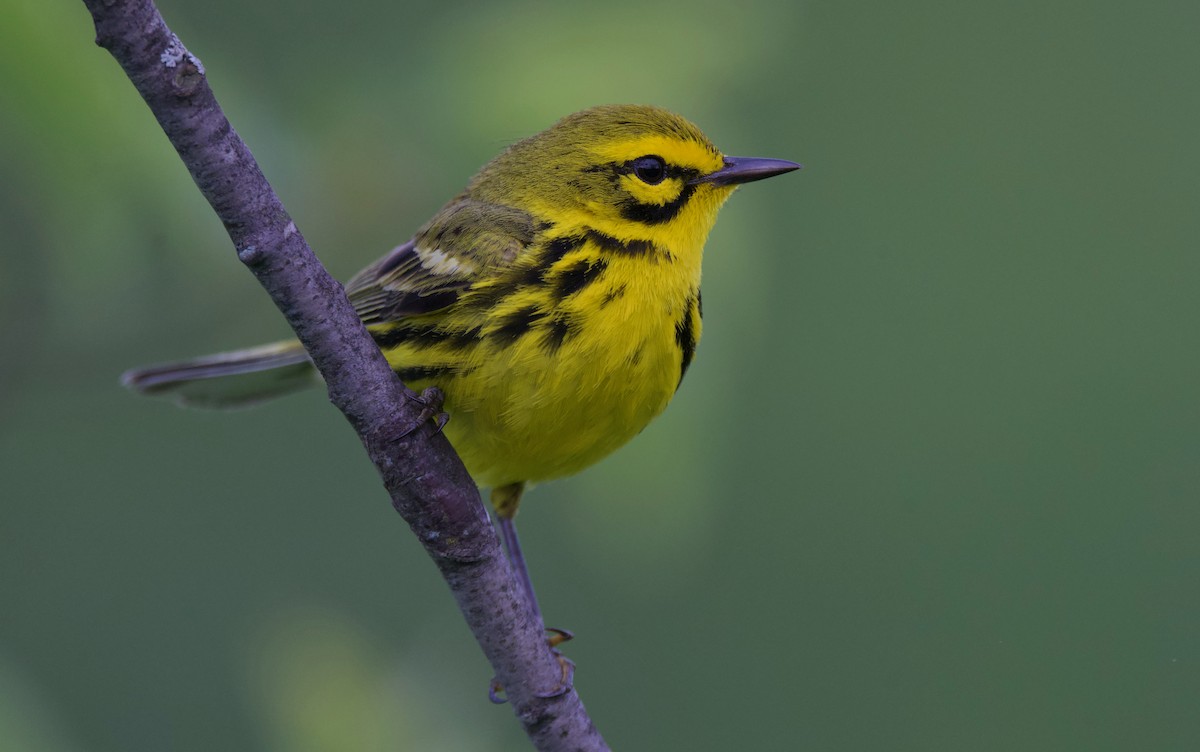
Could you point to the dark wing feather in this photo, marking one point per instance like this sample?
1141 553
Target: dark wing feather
465 242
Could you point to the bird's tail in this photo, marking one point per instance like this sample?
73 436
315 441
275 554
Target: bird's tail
228 380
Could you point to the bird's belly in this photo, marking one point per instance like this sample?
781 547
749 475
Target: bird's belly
529 414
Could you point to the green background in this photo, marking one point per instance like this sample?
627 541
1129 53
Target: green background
931 483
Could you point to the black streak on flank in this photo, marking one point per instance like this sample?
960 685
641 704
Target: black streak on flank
556 333
517 323
425 335
613 294
530 276
657 214
685 339
578 276
388 338
559 247
422 373
553 252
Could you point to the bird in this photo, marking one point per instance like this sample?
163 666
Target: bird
555 302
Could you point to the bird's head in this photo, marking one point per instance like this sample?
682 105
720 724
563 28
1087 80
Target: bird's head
631 171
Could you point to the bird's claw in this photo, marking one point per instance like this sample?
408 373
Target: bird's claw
494 690
565 684
431 400
559 636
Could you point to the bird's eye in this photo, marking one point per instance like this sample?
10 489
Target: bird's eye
651 170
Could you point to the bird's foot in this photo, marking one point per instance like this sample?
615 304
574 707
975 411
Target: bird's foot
565 683
431 400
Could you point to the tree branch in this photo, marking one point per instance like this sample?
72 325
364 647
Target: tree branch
428 484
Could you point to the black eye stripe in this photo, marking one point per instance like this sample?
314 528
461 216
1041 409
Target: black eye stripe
672 171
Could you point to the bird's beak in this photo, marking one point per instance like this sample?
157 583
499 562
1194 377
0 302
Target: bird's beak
746 170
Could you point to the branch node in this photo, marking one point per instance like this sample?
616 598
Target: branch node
188 79
251 255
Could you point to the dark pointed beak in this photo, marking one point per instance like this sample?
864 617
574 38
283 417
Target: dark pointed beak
747 170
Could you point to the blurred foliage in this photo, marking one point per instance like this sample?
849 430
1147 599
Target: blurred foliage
931 483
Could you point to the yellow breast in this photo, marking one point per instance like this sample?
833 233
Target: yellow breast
562 362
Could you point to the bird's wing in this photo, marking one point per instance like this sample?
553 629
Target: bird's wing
466 242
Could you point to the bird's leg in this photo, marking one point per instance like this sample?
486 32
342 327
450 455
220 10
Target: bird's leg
505 500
